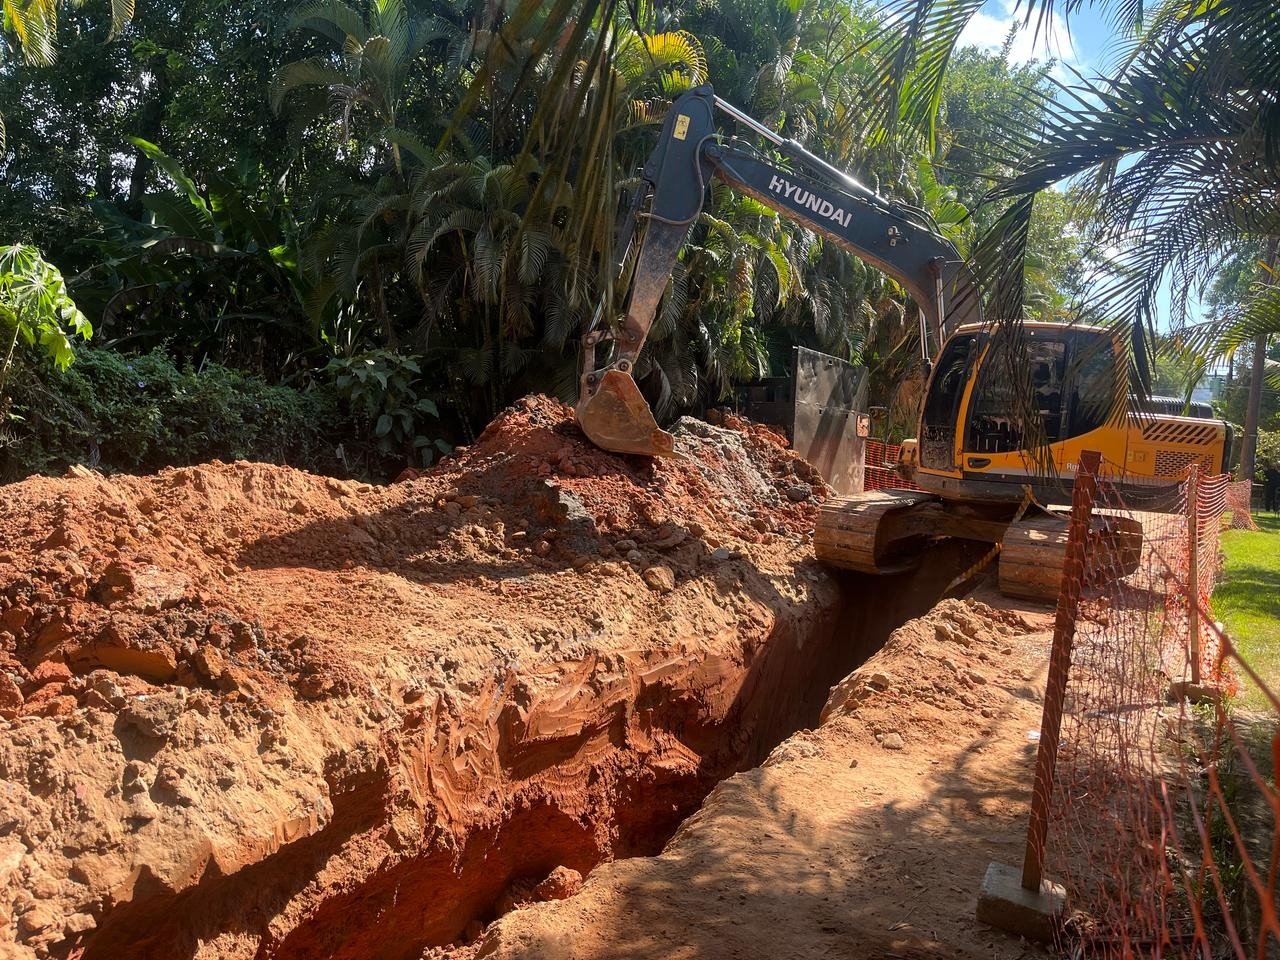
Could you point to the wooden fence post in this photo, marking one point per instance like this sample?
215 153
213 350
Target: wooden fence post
1193 570
1064 631
1028 904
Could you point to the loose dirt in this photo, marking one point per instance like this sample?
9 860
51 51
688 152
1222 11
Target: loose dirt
249 712
865 837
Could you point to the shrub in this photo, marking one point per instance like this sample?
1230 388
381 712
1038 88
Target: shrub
382 387
1268 449
137 414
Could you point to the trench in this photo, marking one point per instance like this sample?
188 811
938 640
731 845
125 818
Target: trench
444 895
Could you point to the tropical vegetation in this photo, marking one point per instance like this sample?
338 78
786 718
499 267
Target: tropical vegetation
409 206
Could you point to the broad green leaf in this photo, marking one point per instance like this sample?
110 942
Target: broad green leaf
173 170
183 218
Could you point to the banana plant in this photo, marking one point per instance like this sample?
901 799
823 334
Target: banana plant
215 263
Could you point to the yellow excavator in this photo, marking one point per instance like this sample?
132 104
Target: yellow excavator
982 472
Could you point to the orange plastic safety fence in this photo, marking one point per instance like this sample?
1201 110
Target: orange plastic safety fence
1165 823
880 467
1239 503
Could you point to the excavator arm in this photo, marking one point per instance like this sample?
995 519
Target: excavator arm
895 238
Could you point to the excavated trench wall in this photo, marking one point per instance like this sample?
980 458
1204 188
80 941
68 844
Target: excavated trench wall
725 718
252 713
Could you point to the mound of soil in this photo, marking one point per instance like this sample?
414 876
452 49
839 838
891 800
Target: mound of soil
241 705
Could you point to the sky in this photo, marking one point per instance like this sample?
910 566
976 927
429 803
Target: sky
1087 47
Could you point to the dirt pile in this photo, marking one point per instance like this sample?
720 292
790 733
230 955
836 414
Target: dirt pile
865 837
241 705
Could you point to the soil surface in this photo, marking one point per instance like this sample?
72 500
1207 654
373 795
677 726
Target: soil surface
865 837
246 712
241 705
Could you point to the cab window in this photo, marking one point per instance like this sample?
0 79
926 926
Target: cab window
1093 375
949 380
1071 384
994 423
942 405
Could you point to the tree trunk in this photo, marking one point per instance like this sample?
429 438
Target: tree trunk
104 177
379 294
1249 450
150 126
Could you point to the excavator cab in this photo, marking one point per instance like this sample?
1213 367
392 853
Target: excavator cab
975 446
974 442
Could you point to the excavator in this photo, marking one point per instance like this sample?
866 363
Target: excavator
981 472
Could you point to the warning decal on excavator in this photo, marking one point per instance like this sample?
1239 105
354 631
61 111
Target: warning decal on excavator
682 126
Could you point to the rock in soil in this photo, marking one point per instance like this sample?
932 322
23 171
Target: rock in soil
562 883
660 577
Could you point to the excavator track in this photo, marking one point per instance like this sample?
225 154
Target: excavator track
1032 553
868 532
886 531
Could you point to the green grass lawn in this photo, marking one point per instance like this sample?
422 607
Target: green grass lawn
1248 601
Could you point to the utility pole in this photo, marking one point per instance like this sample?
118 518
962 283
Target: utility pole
1249 450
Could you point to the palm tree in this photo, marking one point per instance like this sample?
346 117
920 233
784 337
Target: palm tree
1175 149
1256 321
495 246
478 266
366 74
358 89
34 27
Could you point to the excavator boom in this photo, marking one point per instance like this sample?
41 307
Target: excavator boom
896 238
979 481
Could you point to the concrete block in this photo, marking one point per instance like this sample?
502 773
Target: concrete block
1181 690
1005 904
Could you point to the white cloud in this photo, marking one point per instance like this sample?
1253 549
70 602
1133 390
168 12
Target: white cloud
990 26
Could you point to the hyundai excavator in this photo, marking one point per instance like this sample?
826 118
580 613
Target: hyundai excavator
983 474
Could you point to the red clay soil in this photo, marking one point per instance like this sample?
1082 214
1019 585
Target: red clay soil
250 712
866 837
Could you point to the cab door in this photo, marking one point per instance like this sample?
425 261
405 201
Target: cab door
939 436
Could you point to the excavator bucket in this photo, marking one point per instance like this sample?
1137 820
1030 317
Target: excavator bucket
617 418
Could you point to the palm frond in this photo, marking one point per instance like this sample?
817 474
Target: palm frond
181 216
332 18
314 71
121 13
411 142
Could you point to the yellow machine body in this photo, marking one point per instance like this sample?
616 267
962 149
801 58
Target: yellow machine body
971 445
